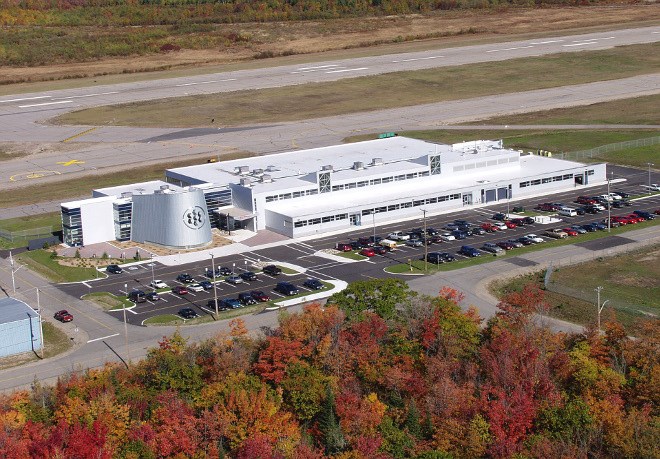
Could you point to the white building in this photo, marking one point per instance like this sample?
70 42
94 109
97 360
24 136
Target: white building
333 188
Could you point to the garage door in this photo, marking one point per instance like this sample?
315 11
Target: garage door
490 196
501 193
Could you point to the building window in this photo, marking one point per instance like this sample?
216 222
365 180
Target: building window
590 172
536 182
363 183
546 180
568 176
523 184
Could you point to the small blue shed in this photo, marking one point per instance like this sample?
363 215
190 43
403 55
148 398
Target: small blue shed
20 328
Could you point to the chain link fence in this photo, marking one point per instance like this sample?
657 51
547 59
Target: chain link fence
577 155
25 235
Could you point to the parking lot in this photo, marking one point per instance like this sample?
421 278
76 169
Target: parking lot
305 254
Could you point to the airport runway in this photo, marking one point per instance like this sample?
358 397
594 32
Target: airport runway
91 148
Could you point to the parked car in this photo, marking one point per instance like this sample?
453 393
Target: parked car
518 221
222 306
506 245
440 257
157 283
524 240
286 288
600 226
459 234
246 299
137 296
529 220
187 313
570 231
636 216
196 287
469 251
477 231
415 243
217 273
535 238
492 248
510 225
231 303
381 249
375 240
644 214
585 200
114 269
518 209
547 207
248 276
432 231
515 242
179 290
206 285
357 245
499 216
365 241
446 237
556 233
489 227
579 229
63 316
500 225
259 296
272 270
185 278
152 296
343 247
313 284
623 194
589 228
398 236
369 252
234 280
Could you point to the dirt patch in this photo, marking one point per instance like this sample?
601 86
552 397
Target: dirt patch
634 280
408 33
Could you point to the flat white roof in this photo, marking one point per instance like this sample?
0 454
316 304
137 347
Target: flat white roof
135 188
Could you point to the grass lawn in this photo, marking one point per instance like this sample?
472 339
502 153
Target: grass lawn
376 92
108 301
32 222
419 266
41 262
173 319
629 282
352 256
56 340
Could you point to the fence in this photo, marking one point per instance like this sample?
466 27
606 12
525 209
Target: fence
576 155
24 235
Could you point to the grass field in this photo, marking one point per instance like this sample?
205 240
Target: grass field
32 222
108 301
41 262
377 92
629 281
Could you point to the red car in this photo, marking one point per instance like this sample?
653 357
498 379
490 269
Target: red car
635 217
585 200
509 224
63 316
368 252
259 296
180 290
489 227
343 247
570 231
657 211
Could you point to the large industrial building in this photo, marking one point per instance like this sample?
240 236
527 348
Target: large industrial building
20 328
316 191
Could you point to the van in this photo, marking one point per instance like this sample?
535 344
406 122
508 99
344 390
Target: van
137 296
567 212
390 244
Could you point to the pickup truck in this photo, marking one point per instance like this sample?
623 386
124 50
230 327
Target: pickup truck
556 233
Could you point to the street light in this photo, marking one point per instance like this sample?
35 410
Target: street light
609 208
215 292
426 245
373 218
13 271
128 350
153 278
599 307
650 164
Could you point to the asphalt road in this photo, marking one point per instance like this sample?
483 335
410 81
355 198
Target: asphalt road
22 116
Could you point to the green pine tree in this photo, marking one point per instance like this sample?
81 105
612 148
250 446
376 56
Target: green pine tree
333 437
412 423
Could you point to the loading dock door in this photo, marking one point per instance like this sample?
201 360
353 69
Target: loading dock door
491 196
502 193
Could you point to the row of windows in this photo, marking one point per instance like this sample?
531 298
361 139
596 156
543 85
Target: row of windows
556 178
379 181
379 210
492 162
295 194
317 221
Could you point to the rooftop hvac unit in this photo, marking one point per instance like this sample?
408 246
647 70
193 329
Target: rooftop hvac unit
377 162
246 181
266 178
257 172
271 169
358 165
327 167
242 170
127 194
164 187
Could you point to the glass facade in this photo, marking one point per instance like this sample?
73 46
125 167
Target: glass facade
122 214
214 200
72 232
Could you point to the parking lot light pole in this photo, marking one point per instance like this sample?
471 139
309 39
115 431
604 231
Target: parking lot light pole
426 245
649 165
609 210
599 307
373 219
153 278
215 292
128 350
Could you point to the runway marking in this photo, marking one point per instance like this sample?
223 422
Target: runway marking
87 95
319 67
418 59
33 175
70 163
75 136
509 49
581 44
545 42
193 84
46 103
24 98
103 337
348 70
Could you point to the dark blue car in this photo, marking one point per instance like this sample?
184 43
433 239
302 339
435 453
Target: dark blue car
469 251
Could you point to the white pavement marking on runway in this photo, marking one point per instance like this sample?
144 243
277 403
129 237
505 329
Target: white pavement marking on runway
509 49
319 67
545 42
103 337
581 44
24 98
418 59
193 84
46 103
87 95
348 70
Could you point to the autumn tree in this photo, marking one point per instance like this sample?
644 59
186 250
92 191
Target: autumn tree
380 296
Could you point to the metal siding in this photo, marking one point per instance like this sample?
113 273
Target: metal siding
16 337
161 218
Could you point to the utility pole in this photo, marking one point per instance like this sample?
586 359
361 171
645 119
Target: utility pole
13 271
426 246
373 218
128 350
649 165
609 213
41 327
215 292
599 307
153 278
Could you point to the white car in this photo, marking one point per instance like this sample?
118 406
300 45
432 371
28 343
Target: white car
398 236
616 197
500 225
652 187
195 287
535 238
158 284
447 237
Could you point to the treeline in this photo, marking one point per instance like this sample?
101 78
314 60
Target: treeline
169 12
383 374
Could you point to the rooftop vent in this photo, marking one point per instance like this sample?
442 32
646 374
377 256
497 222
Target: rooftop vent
242 170
127 194
377 162
266 178
271 169
358 165
327 167
257 172
164 187
246 181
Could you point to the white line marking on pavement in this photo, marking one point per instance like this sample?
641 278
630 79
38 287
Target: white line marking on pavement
509 49
418 59
103 337
86 284
193 84
86 95
319 67
545 42
581 44
348 70
46 103
24 98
